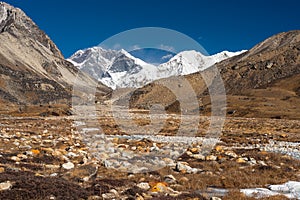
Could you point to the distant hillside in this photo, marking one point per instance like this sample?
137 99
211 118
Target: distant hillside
262 82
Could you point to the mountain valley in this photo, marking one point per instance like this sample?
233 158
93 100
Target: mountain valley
104 124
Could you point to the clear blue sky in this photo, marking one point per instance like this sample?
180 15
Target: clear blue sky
217 25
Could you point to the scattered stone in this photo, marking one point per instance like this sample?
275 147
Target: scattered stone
198 156
95 197
284 135
183 167
115 192
211 158
68 165
263 163
219 149
169 162
54 174
194 150
15 158
269 65
159 187
2 169
139 197
144 186
22 156
241 160
5 185
35 152
108 196
215 198
231 154
252 161
170 179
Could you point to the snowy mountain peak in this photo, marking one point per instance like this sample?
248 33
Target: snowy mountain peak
119 69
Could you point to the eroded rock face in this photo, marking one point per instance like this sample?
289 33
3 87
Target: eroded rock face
32 68
15 22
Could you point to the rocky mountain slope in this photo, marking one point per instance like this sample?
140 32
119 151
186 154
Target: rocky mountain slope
32 68
119 69
263 82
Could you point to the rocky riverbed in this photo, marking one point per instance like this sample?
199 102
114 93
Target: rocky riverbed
90 157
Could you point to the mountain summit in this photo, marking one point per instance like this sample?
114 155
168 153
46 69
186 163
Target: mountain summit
120 69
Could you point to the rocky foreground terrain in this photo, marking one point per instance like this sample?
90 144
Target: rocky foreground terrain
53 158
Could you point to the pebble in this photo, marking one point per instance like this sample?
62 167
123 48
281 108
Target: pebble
54 174
108 196
170 179
198 156
49 166
263 163
15 158
5 185
68 165
241 160
231 154
35 152
219 149
2 169
211 158
52 197
159 187
115 192
185 168
144 186
215 198
194 150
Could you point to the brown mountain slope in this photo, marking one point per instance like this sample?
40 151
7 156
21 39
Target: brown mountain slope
263 82
32 68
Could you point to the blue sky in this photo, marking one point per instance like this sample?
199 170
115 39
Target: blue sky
217 25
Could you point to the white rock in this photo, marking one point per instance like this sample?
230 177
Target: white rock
144 186
15 158
68 165
170 179
53 175
215 198
5 185
231 154
52 197
263 163
115 192
198 156
259 192
108 196
72 155
183 167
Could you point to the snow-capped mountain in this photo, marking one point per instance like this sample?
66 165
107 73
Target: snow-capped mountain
119 69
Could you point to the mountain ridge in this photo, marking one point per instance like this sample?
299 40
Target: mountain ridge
32 69
251 81
137 73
